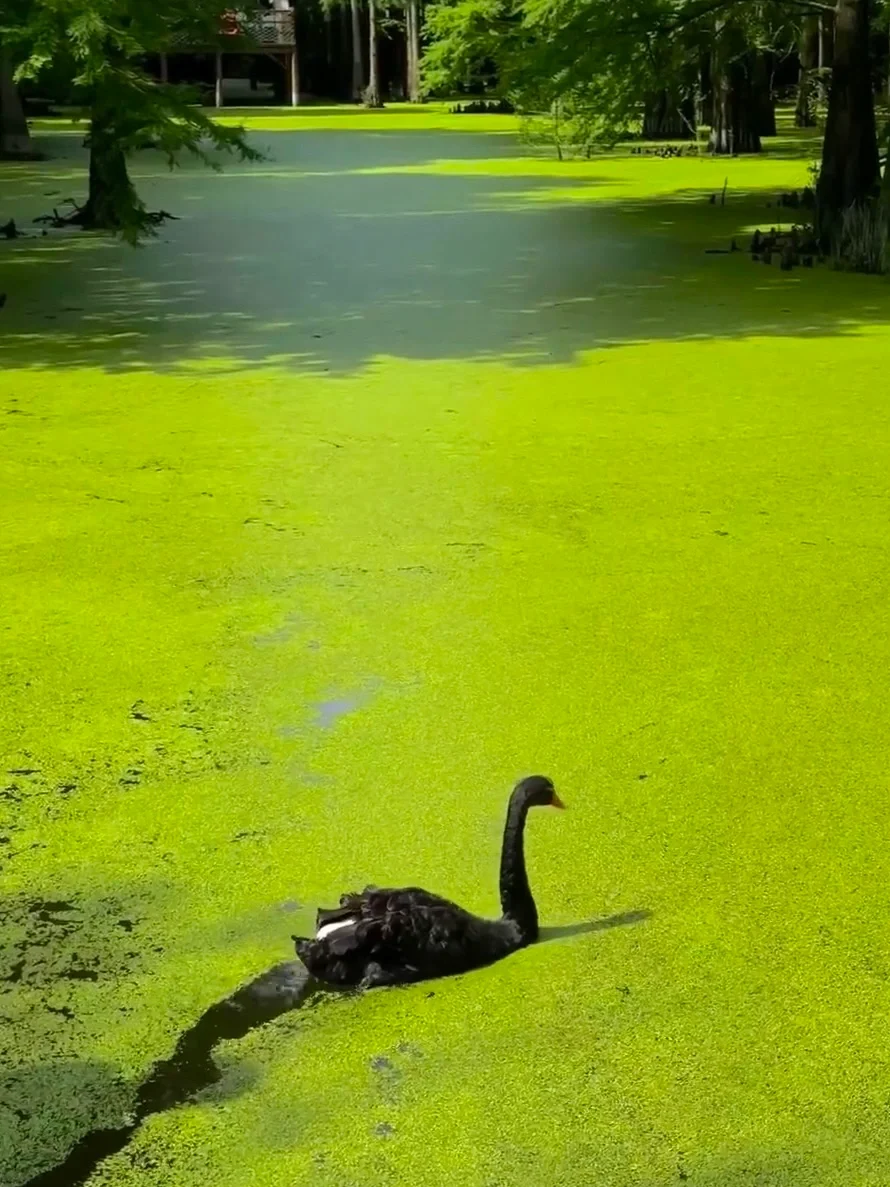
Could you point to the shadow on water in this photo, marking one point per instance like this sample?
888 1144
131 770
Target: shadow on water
625 919
411 248
191 1067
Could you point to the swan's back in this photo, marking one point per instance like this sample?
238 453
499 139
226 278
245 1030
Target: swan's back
386 935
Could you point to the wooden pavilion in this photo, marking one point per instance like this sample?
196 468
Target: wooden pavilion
271 32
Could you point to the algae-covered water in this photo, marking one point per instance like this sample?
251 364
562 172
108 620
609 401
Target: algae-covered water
401 466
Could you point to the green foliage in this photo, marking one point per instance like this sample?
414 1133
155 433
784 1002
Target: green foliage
100 44
593 59
520 49
466 39
574 127
861 241
148 115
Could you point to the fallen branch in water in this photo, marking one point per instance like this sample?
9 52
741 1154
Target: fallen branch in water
84 217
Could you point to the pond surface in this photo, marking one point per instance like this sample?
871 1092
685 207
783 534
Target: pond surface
400 466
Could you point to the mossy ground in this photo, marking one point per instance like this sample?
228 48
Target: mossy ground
403 465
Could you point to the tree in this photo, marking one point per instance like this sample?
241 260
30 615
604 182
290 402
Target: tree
372 93
764 99
734 117
610 56
669 114
808 54
850 171
15 139
358 65
826 39
104 43
412 39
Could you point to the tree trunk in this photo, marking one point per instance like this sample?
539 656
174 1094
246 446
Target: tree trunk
344 53
808 52
702 92
736 113
410 13
15 139
112 203
412 35
328 16
762 81
293 77
667 116
850 169
358 65
372 94
826 40
826 54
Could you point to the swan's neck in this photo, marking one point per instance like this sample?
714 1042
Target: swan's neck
517 903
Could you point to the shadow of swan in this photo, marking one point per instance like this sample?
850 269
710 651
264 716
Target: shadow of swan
547 934
192 1068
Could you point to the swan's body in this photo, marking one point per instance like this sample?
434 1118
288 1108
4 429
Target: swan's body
383 937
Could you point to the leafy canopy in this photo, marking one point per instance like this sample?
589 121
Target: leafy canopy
599 56
100 46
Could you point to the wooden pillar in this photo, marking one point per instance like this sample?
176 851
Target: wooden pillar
218 94
165 74
294 78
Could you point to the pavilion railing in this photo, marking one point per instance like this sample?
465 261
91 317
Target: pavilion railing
268 30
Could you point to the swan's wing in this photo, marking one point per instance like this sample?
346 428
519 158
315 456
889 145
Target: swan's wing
405 926
362 938
375 900
409 930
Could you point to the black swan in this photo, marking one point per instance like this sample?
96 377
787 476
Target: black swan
387 937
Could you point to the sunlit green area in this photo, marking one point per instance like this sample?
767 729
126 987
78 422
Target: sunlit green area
434 116
403 464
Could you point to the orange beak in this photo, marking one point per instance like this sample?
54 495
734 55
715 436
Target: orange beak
556 802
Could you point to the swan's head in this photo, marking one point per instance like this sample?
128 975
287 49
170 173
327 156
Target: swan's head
538 792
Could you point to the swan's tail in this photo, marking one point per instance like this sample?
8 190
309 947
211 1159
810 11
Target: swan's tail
325 965
349 906
305 948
